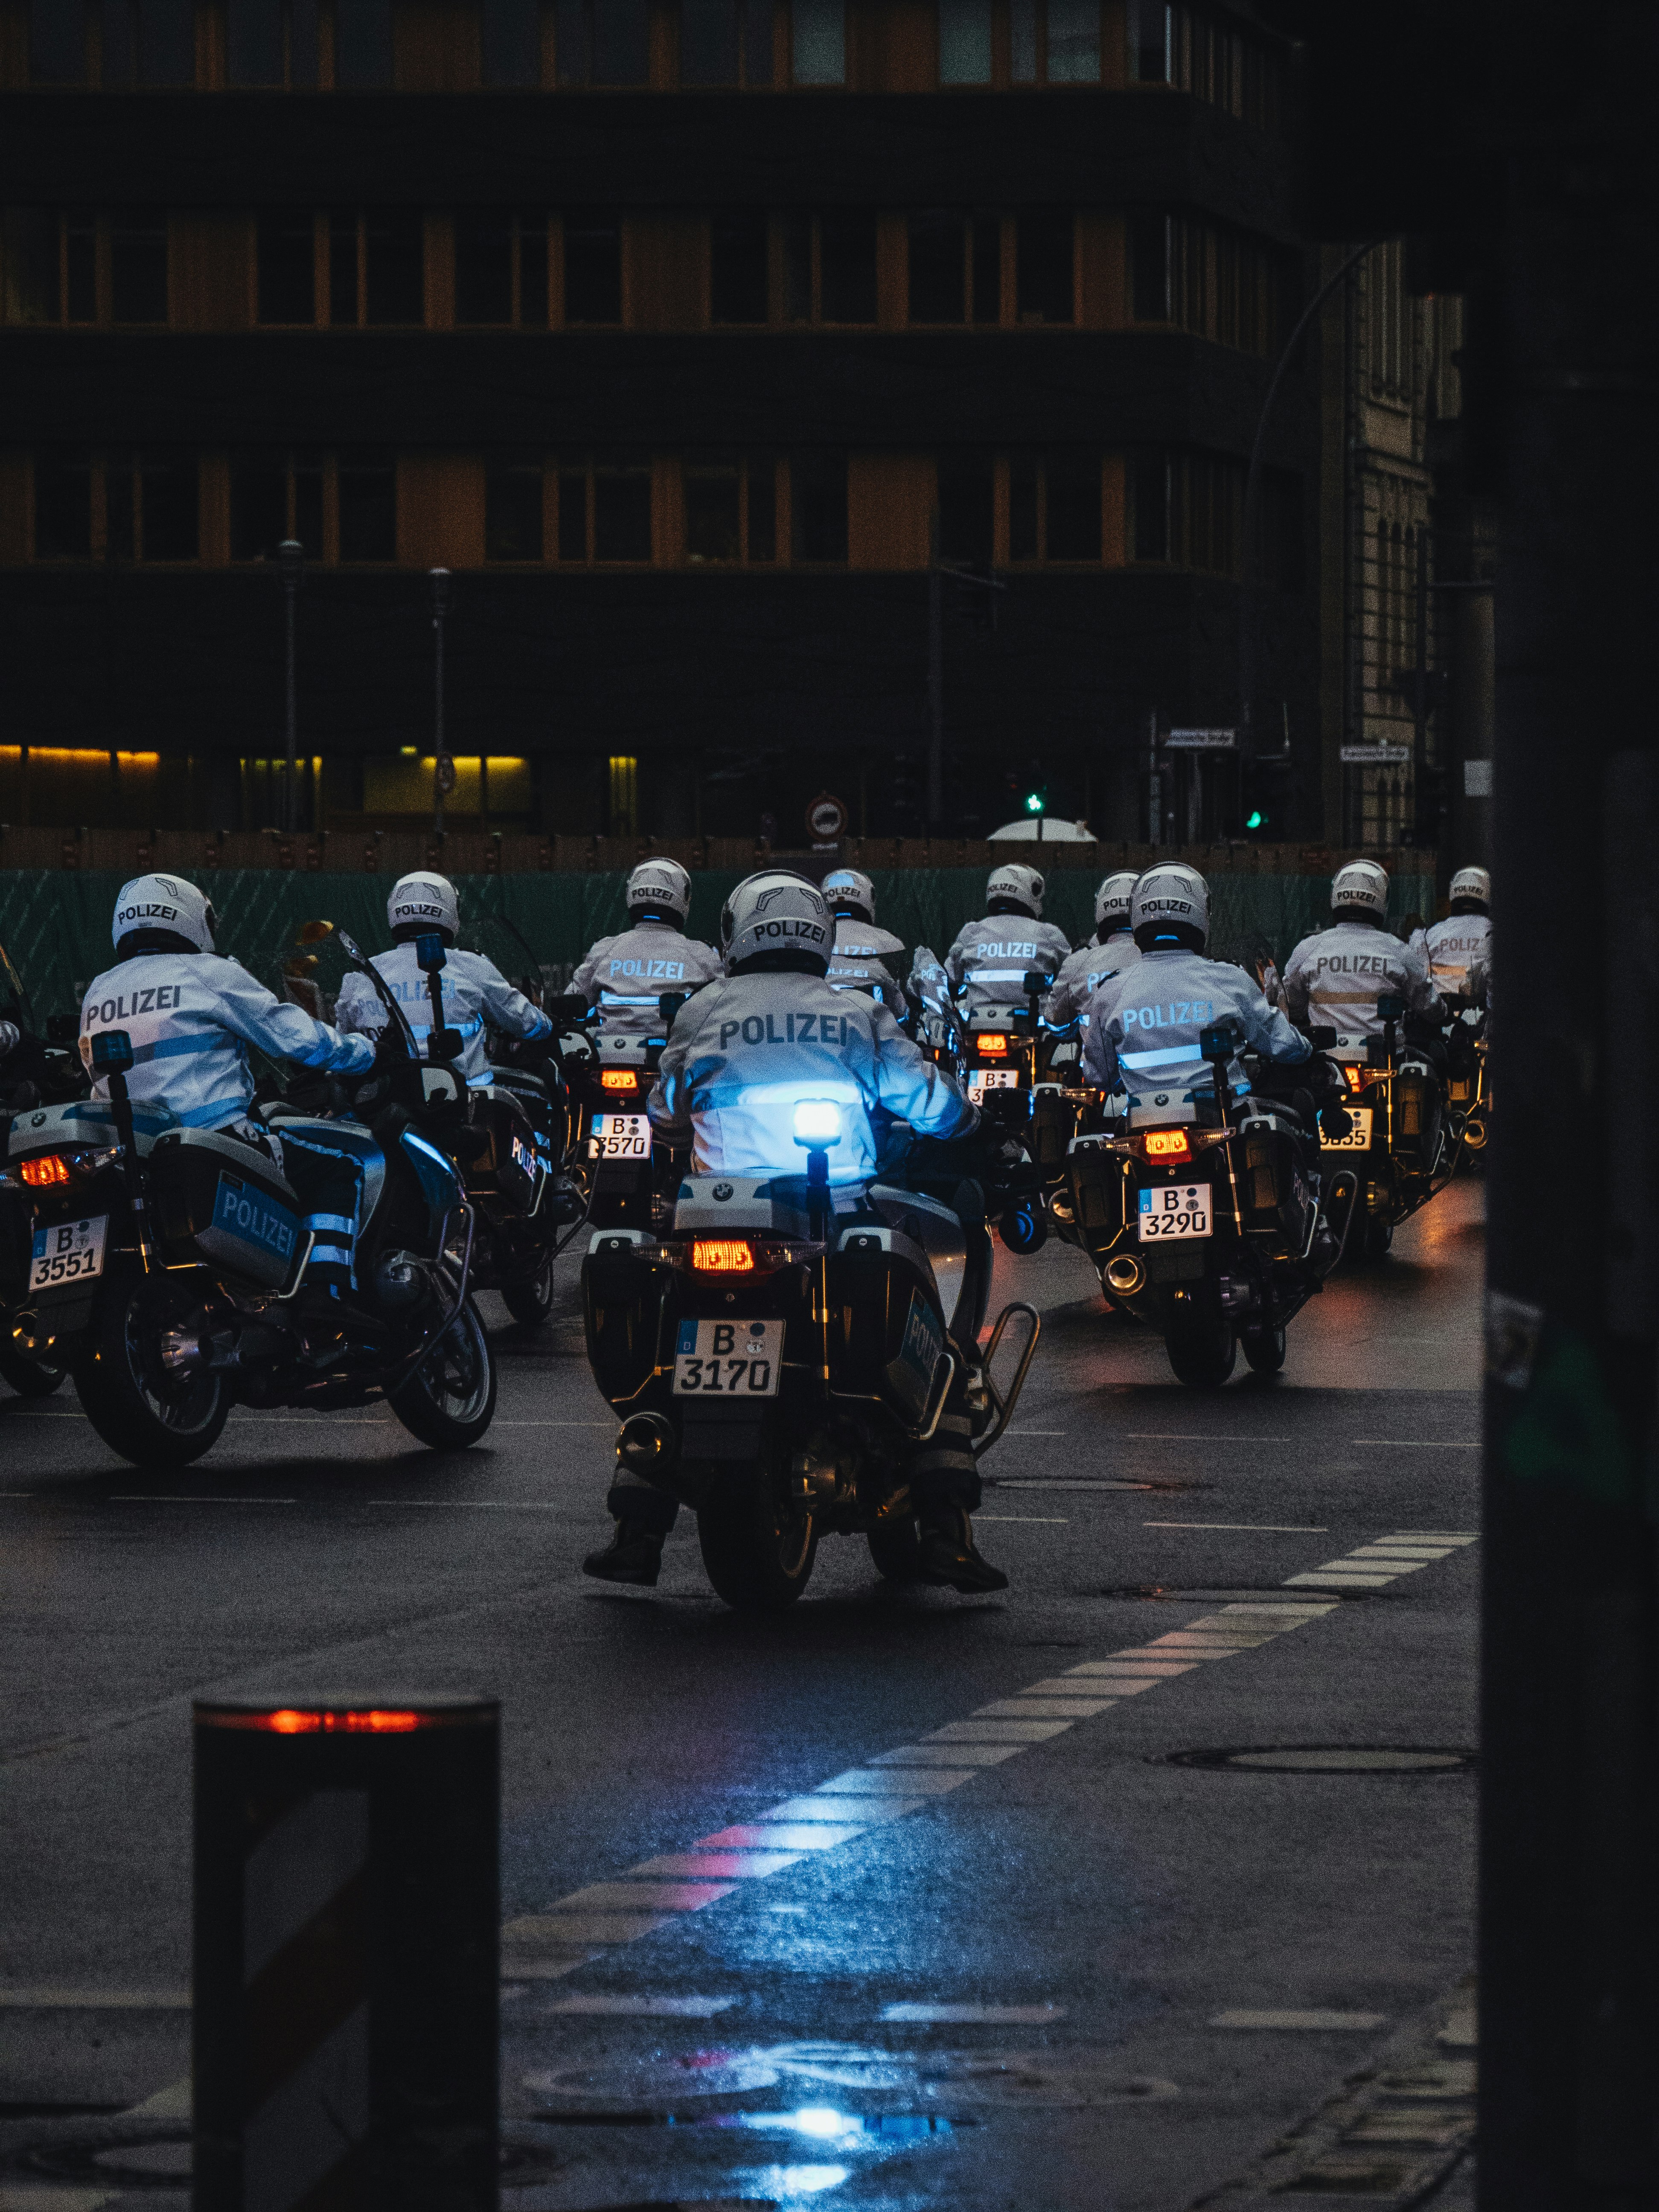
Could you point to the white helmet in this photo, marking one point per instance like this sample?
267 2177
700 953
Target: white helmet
1362 884
776 911
1022 887
846 887
661 886
165 902
1472 883
425 901
1171 892
1112 899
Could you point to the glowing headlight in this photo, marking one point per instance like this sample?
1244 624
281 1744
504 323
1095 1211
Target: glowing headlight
817 1121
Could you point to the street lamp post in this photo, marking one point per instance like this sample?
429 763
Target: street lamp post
442 774
291 563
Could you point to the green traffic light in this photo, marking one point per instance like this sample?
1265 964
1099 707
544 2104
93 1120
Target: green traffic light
1255 820
1034 802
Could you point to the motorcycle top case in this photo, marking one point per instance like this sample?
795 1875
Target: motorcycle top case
219 1201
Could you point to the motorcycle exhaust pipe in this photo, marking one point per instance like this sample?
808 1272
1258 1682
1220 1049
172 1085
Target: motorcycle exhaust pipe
646 1445
1125 1274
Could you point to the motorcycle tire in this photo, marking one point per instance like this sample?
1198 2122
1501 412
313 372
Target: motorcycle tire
1263 1350
1379 1236
151 1418
1024 1228
450 1399
896 1550
29 1378
758 1557
1202 1349
530 1300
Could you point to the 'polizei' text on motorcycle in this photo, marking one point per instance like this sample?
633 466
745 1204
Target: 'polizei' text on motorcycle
777 1363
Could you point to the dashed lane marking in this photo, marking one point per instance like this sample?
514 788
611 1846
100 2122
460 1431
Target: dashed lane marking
1374 1565
971 2015
1312 2023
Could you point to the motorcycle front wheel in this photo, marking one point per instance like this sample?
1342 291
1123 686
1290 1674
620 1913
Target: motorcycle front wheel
30 1378
530 1300
151 1417
450 1399
757 1550
1264 1349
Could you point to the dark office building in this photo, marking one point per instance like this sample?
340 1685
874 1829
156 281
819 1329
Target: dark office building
689 335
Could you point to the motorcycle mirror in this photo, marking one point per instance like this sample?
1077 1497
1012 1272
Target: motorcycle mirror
352 949
1389 1009
111 1052
1321 1039
313 932
1216 1044
669 1004
1033 982
429 955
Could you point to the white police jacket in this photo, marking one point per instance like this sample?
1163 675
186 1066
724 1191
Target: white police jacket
742 1054
990 959
1335 978
1144 1026
624 976
191 1017
1452 947
1083 973
859 961
474 992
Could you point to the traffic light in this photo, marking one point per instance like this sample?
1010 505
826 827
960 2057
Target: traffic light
1035 802
1263 796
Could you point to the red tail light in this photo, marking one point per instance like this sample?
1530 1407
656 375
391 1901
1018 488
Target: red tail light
619 1078
1168 1144
992 1044
723 1255
50 1168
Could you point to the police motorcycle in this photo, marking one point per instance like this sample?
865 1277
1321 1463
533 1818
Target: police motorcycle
1401 1145
1206 1221
164 1265
34 1073
777 1365
1468 1088
1028 1089
610 1155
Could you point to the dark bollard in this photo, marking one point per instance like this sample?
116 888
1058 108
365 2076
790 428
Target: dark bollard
346 1956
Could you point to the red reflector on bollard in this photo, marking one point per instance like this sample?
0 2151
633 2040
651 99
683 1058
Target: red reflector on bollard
294 1720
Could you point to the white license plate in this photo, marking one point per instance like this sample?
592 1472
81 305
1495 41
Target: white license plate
622 1137
73 1252
993 1078
1172 1210
728 1359
1358 1139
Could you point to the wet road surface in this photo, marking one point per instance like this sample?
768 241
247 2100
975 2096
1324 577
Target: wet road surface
903 1901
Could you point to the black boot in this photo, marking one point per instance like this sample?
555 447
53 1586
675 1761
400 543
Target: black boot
633 1555
947 1552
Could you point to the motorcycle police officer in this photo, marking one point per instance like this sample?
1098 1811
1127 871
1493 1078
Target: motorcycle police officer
191 1014
989 959
740 1057
624 976
473 989
862 952
1145 1024
1453 944
1110 950
1337 975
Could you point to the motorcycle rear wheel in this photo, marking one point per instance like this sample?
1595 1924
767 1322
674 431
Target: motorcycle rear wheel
151 1418
28 1378
530 1300
1202 1349
757 1553
450 1399
1379 1236
1263 1349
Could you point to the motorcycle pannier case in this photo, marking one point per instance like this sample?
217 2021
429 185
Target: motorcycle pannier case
218 1202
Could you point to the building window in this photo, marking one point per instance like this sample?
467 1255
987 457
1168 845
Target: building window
738 284
148 42
151 507
1054 507
63 505
276 496
726 42
1188 510
1184 48
500 267
513 510
956 267
286 249
138 266
592 266
818 507
966 509
362 45
1217 283
1050 41
1043 264
964 41
510 40
58 42
604 510
830 267
270 42
602 42
376 266
623 810
34 265
818 42
368 494
731 510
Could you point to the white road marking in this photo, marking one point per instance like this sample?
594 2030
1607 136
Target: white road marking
644 2008
24 2197
195 1498
782 1836
988 2015
998 1732
1415 1443
865 1812
459 1504
53 1999
1329 2023
626 1896
1120 1686
948 1754
1037 1519
1330 1581
1258 1527
576 1928
1034 1433
865 1781
716 1866
1155 1437
173 2103
1045 1709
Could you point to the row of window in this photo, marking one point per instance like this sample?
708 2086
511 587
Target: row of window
720 509
525 269
365 44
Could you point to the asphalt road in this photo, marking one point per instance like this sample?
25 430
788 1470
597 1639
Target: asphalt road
1079 1972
